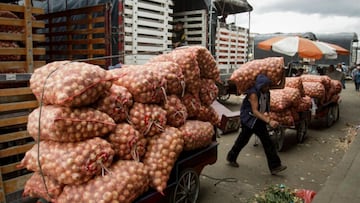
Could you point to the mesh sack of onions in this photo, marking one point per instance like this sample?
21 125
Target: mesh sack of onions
175 82
295 82
125 182
192 104
293 95
314 90
208 91
193 86
70 162
161 154
336 86
206 62
186 60
35 187
208 114
335 98
283 117
244 77
64 124
197 134
323 79
10 44
278 101
295 114
127 142
144 83
176 113
148 119
304 104
10 28
116 103
72 84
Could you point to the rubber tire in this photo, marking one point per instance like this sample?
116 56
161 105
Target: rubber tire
330 117
187 188
278 137
301 131
336 112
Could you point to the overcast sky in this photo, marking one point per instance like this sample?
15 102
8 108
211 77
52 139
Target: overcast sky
317 16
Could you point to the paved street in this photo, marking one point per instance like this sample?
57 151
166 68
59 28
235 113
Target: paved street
309 164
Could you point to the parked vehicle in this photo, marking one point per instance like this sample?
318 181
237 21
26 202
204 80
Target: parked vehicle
102 32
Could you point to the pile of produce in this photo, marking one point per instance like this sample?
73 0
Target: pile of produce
283 194
284 104
110 135
244 77
298 96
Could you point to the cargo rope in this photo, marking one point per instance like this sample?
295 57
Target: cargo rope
39 132
219 180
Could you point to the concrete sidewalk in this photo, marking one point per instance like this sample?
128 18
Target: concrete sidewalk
343 185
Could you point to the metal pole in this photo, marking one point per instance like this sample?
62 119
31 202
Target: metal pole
248 44
210 27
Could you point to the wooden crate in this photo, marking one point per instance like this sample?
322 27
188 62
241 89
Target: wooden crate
145 29
82 34
26 52
16 98
231 47
195 26
230 120
15 105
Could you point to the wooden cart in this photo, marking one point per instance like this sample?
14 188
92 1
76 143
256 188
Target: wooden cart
329 111
184 184
226 88
301 127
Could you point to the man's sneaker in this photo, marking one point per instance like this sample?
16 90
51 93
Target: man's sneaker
278 169
234 164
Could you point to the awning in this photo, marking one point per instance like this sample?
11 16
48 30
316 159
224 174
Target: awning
232 6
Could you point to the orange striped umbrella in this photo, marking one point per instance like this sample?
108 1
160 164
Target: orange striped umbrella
339 50
291 45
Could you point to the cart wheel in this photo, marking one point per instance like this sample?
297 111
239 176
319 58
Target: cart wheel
336 112
278 135
330 117
187 187
224 97
301 130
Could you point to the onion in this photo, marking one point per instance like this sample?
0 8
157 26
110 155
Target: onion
70 163
127 142
176 112
175 81
208 91
244 77
143 82
148 119
196 134
34 187
116 103
126 181
157 158
64 124
208 114
295 82
284 117
84 83
192 103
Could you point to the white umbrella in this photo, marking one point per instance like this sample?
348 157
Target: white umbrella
291 45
